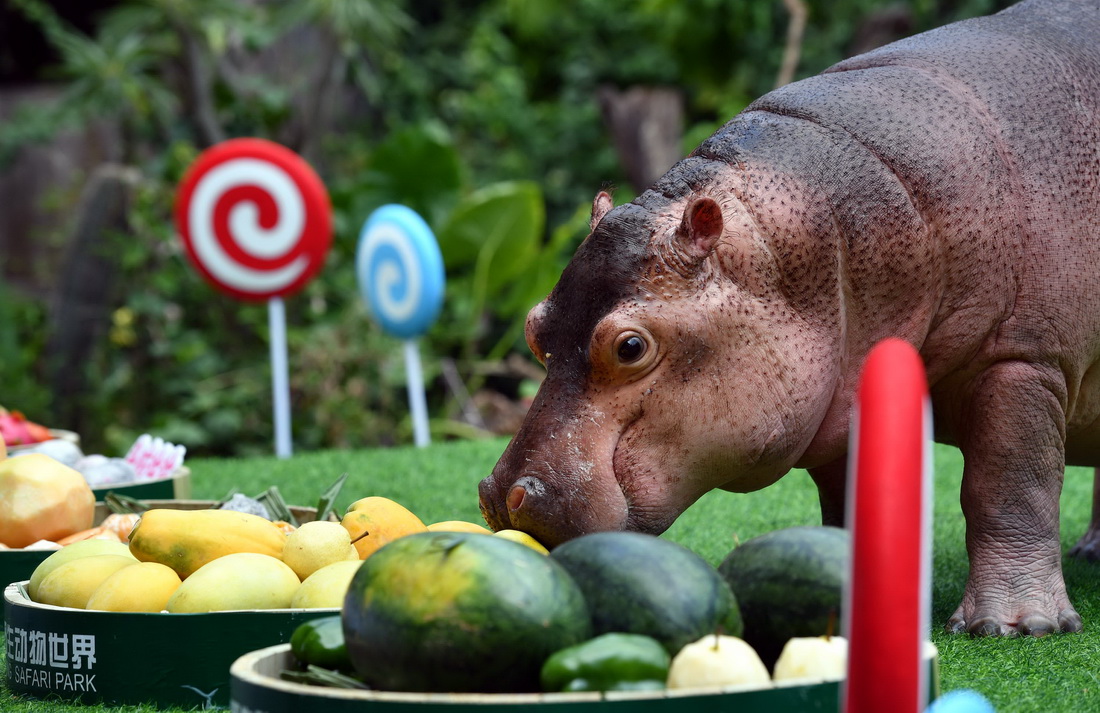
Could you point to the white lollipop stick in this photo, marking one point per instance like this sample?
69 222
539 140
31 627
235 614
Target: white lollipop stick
280 381
414 376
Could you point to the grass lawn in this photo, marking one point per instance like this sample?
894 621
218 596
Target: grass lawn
1056 673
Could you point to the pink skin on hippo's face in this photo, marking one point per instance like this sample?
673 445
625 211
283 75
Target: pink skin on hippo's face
632 424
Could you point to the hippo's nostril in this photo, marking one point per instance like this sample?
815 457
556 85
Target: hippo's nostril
515 497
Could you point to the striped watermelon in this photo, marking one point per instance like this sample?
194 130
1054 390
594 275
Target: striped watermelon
789 583
642 584
459 611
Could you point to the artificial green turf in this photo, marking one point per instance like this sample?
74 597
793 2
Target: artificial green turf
1053 674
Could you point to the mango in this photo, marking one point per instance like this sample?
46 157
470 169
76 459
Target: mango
458 526
85 548
326 588
522 538
185 540
42 499
245 580
142 587
375 521
71 584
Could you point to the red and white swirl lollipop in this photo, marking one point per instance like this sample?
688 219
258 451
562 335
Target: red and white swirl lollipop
255 218
256 222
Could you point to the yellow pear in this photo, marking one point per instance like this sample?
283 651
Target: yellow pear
84 548
71 584
325 588
717 660
315 545
813 657
245 580
143 587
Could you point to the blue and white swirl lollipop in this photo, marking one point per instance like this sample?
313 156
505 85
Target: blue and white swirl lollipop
400 271
401 278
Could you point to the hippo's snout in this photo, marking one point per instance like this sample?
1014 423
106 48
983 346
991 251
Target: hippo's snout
528 504
548 512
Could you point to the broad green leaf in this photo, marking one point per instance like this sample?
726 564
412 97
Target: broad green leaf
498 229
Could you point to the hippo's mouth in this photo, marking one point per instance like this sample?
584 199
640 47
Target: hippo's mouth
556 502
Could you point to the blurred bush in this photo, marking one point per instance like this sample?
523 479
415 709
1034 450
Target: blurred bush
481 115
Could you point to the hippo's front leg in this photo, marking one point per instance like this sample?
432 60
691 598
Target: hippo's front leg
1012 436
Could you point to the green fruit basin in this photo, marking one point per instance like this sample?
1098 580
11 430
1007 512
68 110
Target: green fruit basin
256 686
133 658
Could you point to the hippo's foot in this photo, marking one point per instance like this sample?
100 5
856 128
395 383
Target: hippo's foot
993 611
1088 547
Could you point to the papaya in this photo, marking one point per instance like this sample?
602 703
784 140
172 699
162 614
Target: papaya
459 611
187 539
42 499
642 584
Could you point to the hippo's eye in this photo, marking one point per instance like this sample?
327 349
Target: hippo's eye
631 349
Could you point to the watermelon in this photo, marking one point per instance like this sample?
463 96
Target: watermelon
642 584
461 612
789 583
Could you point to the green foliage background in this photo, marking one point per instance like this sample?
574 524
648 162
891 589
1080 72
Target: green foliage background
481 115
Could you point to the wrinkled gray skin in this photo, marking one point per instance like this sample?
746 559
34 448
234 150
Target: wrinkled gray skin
945 190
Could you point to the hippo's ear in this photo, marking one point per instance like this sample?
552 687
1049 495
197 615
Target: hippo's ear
600 206
701 228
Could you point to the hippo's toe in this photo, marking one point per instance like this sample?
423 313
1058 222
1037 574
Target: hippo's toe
1029 624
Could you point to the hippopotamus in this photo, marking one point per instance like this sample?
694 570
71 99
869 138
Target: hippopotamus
943 190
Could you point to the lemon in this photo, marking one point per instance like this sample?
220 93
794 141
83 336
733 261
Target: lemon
376 521
523 538
315 545
325 588
458 526
143 587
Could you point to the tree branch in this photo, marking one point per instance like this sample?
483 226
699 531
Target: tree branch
795 29
202 91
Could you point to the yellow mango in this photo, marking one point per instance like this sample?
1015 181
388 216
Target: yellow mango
458 526
382 519
71 584
142 587
42 499
326 587
185 540
522 538
84 548
239 581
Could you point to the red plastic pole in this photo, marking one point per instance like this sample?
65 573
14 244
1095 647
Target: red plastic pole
889 499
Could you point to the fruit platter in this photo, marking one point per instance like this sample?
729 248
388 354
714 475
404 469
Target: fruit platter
620 620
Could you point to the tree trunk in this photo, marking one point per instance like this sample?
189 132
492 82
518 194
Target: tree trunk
80 312
647 127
